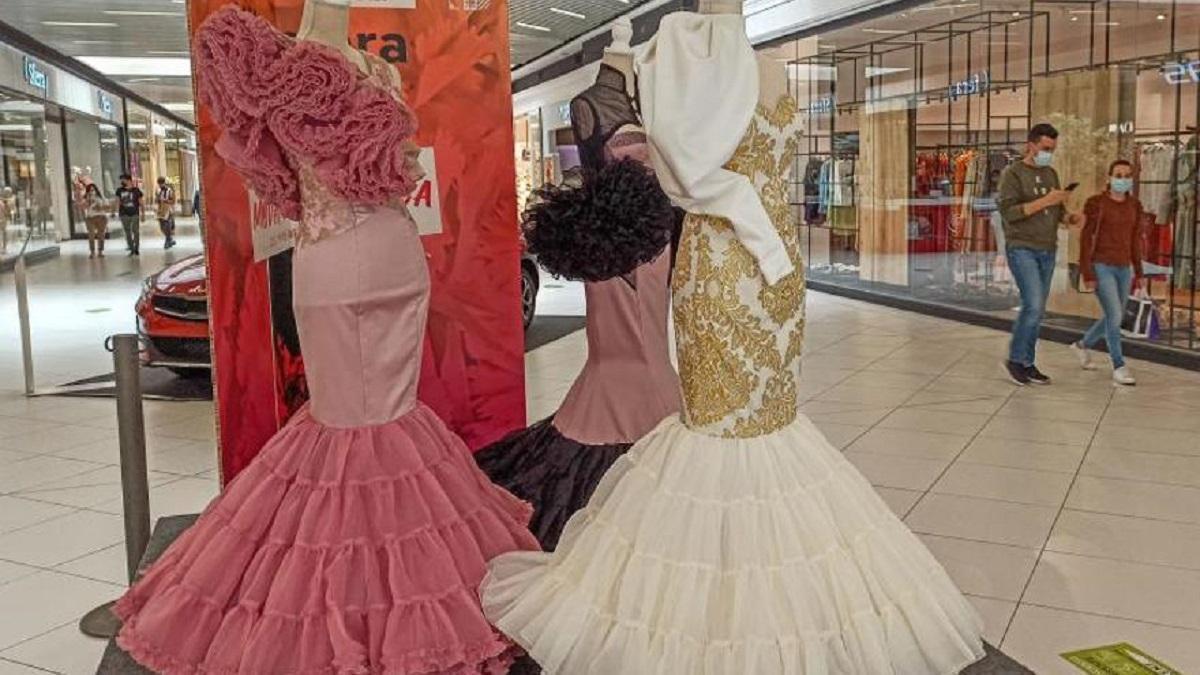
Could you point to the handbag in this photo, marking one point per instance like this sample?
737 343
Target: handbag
1141 318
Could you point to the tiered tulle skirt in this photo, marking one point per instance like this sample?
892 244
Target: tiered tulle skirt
337 551
553 473
707 556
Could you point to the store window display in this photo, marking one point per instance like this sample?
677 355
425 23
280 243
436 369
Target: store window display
355 540
25 177
943 95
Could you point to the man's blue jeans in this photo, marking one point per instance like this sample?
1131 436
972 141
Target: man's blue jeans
1033 271
1112 289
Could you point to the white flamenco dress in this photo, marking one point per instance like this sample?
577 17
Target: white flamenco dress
734 539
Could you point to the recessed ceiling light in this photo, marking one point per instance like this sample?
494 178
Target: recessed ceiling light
148 66
567 12
1074 18
179 107
533 26
139 12
80 24
1161 17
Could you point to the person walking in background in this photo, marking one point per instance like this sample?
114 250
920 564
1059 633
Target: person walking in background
129 200
1111 258
164 201
199 214
1032 205
95 209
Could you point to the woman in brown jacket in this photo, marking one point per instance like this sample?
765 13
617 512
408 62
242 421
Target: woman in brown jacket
1111 258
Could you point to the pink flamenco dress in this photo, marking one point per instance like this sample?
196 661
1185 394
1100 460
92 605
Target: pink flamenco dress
356 541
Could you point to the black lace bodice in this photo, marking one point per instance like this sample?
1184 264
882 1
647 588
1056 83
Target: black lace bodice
599 112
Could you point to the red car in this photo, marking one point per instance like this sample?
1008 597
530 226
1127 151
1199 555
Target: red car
173 314
173 318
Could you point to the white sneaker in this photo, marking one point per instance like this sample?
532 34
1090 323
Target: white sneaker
1084 356
1123 377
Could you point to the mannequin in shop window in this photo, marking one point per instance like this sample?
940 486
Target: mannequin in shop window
356 539
628 385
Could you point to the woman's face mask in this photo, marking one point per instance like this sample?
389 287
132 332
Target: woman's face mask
1121 186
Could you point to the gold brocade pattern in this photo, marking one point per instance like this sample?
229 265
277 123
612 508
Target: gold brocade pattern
739 340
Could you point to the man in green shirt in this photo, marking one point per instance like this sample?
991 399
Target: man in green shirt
1032 207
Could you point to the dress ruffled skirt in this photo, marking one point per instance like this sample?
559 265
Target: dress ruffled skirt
556 474
338 551
709 556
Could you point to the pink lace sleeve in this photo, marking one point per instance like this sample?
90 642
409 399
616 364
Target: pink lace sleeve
278 99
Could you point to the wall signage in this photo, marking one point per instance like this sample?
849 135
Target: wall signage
104 103
823 106
34 75
972 86
1182 73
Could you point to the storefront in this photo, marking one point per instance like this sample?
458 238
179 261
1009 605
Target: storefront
914 112
58 134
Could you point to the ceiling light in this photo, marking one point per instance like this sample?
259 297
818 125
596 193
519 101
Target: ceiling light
80 24
180 107
1161 17
533 26
567 12
139 12
1074 18
133 80
136 65
873 71
884 31
168 53
93 42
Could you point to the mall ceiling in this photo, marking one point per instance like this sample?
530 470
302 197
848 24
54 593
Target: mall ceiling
143 43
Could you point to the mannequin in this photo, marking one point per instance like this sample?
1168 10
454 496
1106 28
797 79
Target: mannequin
772 82
328 22
619 54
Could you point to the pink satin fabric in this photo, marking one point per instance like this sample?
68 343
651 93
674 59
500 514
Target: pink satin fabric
628 384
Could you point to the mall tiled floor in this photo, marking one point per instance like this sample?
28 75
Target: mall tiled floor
1069 514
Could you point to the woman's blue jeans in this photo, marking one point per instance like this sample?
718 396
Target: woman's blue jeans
1113 284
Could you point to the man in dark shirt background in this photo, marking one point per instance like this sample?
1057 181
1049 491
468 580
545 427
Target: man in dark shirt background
1032 207
129 201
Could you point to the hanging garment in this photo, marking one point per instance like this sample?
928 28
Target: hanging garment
627 385
735 538
356 540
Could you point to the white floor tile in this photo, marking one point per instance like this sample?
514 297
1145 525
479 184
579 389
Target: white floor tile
1043 488
1151 593
979 568
1147 439
89 489
13 668
1022 525
16 513
1040 431
1135 498
108 565
39 471
915 444
64 650
1024 455
995 614
899 501
965 424
1155 542
40 602
10 571
65 538
840 435
1039 635
906 473
1144 466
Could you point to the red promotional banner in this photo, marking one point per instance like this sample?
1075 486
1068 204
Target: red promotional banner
454 60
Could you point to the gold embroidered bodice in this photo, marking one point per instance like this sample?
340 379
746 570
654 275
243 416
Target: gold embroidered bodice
739 340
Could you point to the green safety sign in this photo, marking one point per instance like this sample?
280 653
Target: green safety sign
1121 659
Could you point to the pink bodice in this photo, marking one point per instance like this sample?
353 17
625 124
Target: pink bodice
628 384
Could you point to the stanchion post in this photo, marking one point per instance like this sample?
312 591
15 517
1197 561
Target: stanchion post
135 486
22 284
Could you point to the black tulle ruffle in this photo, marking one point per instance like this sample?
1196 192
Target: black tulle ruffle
618 220
550 471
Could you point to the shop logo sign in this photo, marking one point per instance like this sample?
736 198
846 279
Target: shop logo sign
823 106
35 76
1182 73
973 85
564 112
105 104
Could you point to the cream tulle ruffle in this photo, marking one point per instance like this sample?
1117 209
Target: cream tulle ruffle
700 555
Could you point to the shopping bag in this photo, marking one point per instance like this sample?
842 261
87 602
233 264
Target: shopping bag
1141 317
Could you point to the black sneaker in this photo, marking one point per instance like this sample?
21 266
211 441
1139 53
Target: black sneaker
1018 373
1036 376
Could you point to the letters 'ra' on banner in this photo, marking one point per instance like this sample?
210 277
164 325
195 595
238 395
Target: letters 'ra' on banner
453 58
